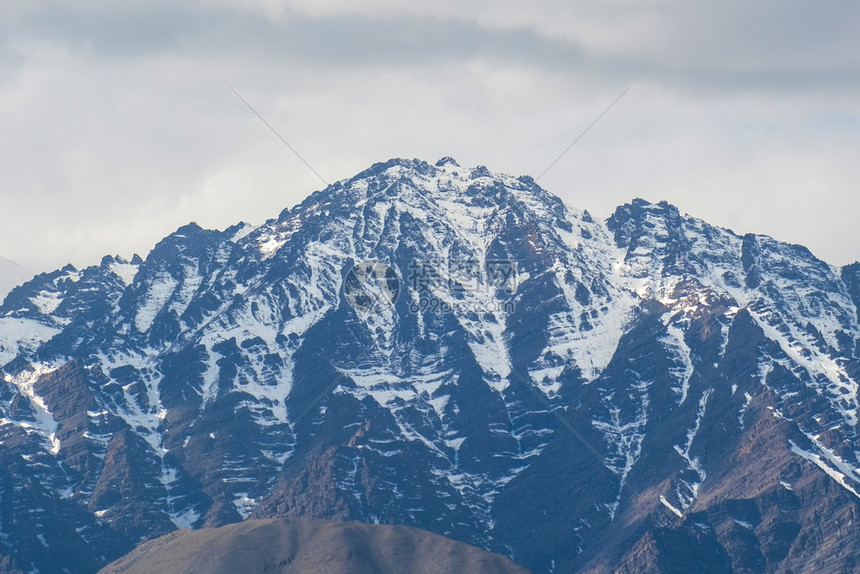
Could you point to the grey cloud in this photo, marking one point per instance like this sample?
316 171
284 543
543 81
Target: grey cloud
116 127
703 47
334 41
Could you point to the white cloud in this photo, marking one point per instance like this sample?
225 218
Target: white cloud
116 128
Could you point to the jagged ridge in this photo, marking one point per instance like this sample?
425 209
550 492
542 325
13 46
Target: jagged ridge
138 395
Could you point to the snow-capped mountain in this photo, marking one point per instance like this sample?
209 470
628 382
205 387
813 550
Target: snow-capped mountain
451 349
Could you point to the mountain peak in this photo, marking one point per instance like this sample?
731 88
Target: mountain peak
447 168
379 168
446 162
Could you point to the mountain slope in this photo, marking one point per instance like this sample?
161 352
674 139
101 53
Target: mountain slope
305 545
505 370
11 274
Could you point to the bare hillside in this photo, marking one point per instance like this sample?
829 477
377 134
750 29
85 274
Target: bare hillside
304 545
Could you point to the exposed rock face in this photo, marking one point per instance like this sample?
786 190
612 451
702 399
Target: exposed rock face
309 546
649 393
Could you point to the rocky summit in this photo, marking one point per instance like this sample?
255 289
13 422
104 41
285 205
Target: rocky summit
451 349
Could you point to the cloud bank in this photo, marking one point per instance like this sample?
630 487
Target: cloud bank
116 126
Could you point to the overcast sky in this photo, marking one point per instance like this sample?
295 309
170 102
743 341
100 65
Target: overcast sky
116 126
